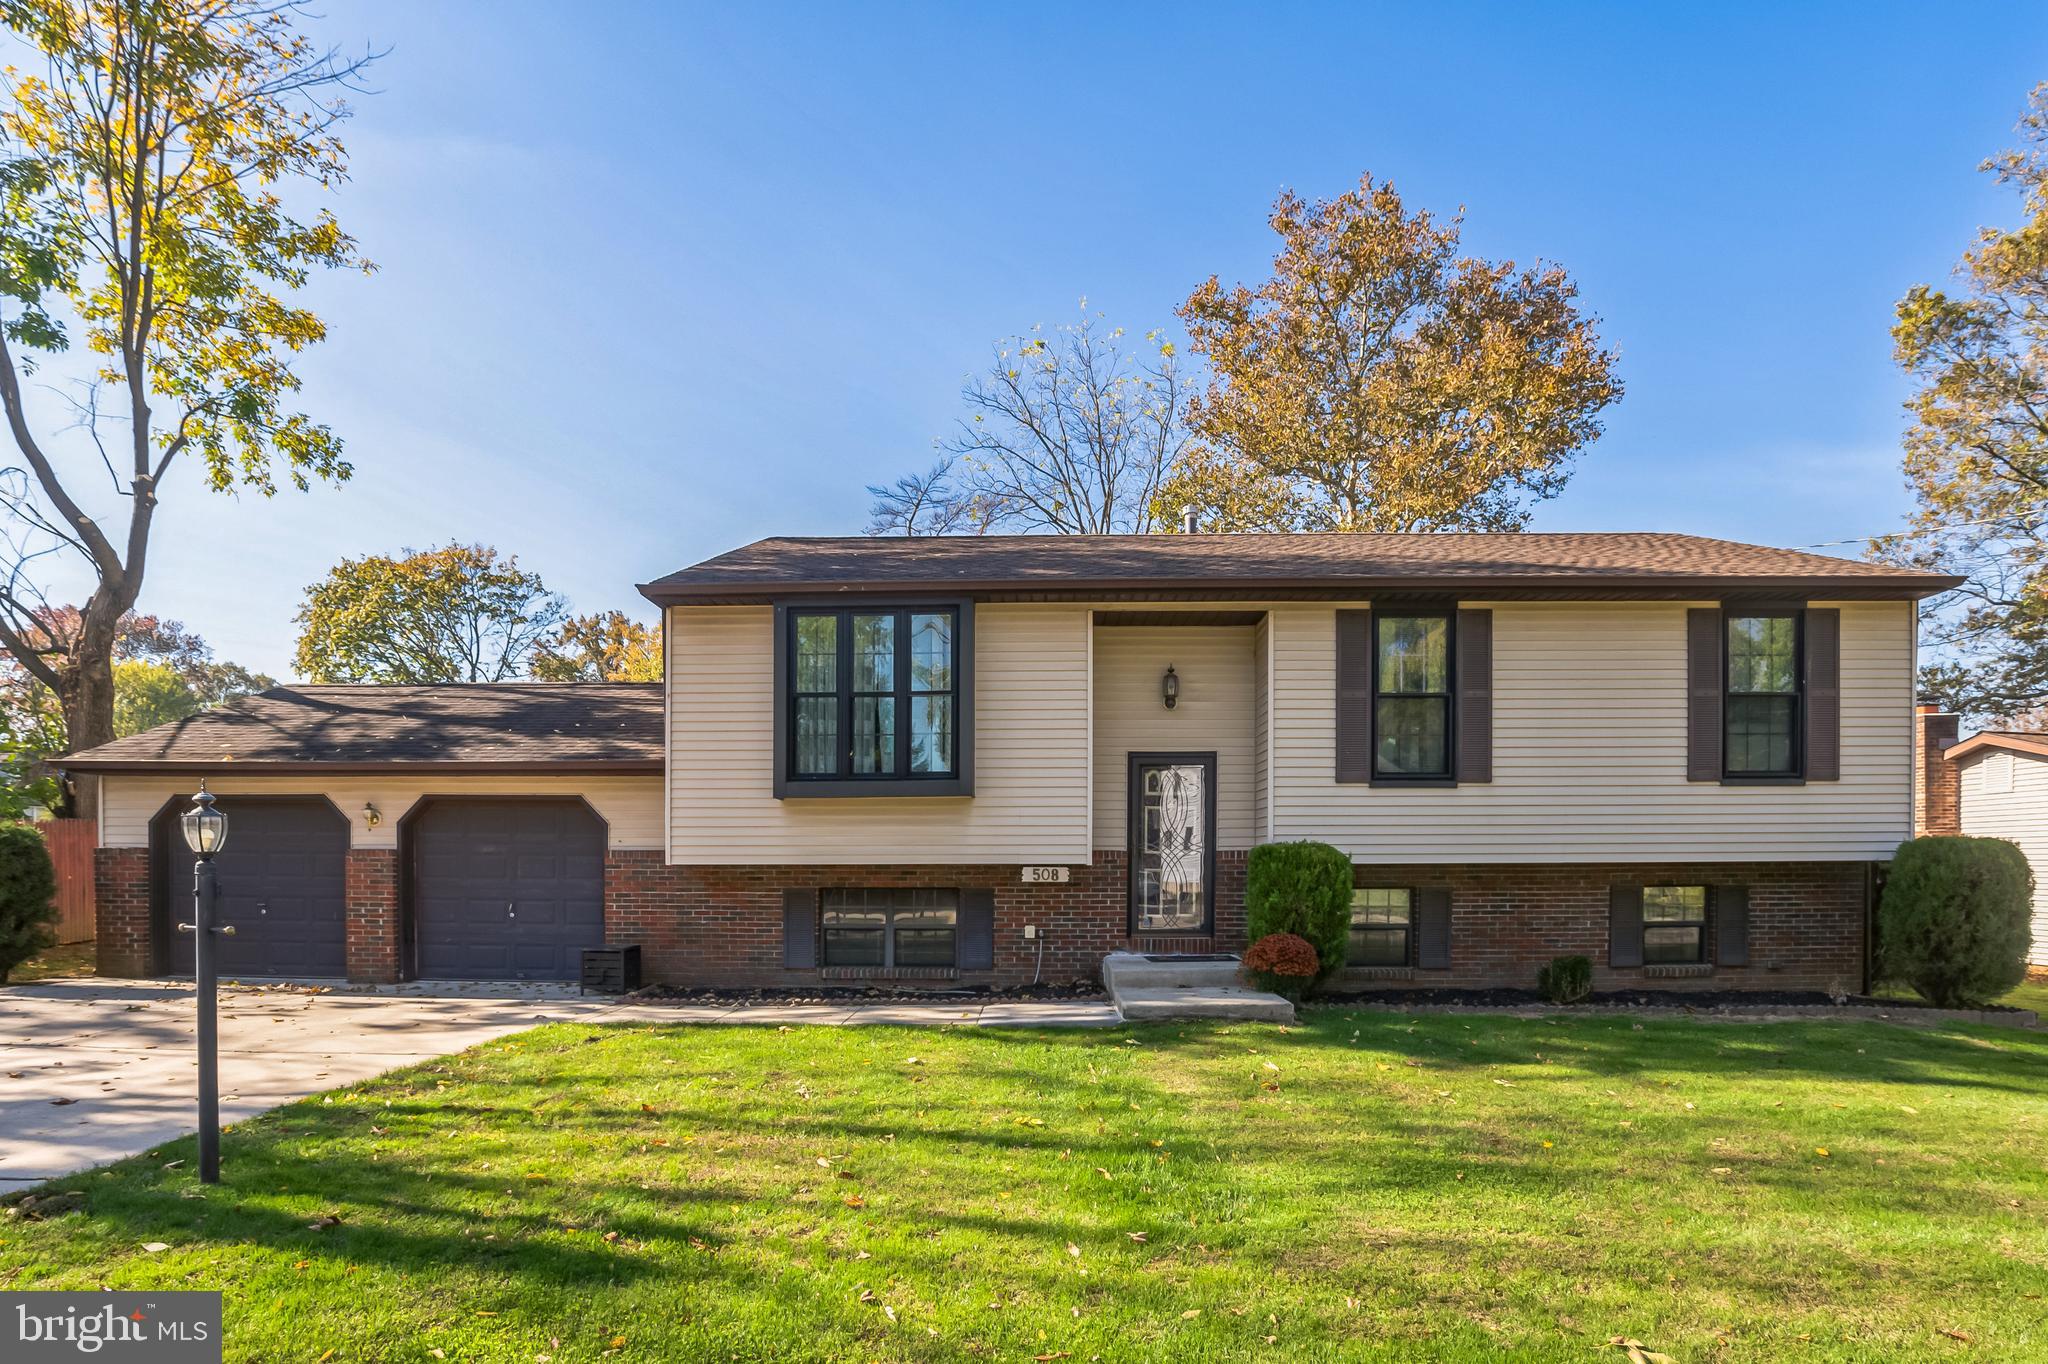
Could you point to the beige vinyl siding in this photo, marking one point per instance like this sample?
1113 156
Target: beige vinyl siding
630 806
1218 686
1031 719
1589 749
2005 795
1262 724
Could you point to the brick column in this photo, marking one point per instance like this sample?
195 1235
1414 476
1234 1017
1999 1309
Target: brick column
372 926
121 937
1937 785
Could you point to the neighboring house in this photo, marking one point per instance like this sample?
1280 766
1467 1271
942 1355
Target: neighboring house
989 760
1999 782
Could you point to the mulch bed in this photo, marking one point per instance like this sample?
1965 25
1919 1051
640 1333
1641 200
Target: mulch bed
878 993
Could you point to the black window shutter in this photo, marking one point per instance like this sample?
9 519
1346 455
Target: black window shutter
976 943
800 929
1354 696
1703 682
1433 929
1474 741
1625 925
1731 926
1823 694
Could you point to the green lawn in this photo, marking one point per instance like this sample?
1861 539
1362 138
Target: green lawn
1365 1186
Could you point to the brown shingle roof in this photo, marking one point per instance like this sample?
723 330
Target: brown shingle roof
1521 564
507 726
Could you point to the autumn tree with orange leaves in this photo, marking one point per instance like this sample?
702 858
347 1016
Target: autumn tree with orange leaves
1382 381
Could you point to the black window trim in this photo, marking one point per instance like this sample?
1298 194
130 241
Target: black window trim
1796 612
788 786
888 962
1400 610
1408 934
1705 922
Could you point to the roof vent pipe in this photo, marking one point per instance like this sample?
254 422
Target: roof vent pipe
1187 521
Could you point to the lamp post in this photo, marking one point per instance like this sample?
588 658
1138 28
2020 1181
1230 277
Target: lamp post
206 830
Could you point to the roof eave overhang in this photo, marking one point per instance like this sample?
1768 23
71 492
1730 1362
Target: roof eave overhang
423 768
1521 587
2008 743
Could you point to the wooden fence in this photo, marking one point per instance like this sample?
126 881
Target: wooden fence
71 843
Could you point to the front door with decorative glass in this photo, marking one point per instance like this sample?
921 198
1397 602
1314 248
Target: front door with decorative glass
1173 842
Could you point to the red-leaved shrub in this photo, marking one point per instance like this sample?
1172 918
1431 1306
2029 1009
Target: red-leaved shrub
1284 963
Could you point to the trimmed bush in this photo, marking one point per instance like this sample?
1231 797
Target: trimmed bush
1303 889
28 891
1953 923
1567 980
1284 963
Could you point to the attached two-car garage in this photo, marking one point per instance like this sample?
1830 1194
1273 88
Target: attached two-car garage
491 889
458 832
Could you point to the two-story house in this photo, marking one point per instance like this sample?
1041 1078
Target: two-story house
994 759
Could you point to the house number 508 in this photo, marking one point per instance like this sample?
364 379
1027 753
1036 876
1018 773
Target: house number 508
1046 875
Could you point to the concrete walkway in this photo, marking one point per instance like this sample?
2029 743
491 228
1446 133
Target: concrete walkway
92 1071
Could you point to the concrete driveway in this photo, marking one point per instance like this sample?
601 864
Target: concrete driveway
93 1071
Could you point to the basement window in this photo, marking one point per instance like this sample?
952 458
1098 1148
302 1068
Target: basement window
887 929
1674 925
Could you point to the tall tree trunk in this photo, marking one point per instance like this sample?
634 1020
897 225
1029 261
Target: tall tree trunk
86 692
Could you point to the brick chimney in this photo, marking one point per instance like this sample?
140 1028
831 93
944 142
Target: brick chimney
1937 785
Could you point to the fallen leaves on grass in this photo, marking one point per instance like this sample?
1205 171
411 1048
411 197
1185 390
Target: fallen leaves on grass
1639 1353
154 1246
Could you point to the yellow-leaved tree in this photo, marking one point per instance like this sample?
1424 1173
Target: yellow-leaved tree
1380 381
1976 453
142 159
609 646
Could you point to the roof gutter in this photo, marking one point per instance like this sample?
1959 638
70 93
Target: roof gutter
1550 586
423 767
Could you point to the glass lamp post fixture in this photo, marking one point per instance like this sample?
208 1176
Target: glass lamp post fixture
206 833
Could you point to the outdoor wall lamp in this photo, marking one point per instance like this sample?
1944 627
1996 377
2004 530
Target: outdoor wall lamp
371 817
1169 688
206 833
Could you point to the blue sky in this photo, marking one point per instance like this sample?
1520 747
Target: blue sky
656 285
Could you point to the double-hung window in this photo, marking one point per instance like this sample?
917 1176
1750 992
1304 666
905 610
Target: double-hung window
1411 697
1674 925
1382 920
873 698
1762 713
888 929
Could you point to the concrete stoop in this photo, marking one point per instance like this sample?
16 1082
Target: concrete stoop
1145 988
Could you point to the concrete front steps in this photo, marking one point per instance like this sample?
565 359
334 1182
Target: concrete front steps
1145 988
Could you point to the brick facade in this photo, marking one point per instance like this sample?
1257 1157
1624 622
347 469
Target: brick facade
121 911
372 925
1937 782
1806 923
723 925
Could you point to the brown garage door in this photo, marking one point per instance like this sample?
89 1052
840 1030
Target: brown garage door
282 887
506 889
